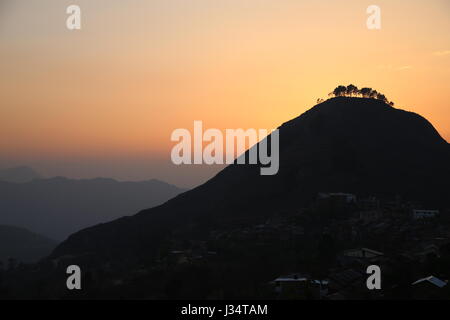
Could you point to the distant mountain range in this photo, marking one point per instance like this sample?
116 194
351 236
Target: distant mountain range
356 145
19 174
22 245
57 207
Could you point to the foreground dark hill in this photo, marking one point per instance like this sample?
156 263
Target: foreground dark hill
356 145
57 207
23 245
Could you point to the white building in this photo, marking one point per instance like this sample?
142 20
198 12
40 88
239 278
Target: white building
424 214
347 197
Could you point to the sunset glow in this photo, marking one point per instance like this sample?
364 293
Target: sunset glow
110 94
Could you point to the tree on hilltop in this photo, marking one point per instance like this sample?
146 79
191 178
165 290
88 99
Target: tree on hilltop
353 91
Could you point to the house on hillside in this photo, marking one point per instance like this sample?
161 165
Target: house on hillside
346 198
418 214
428 288
370 215
300 286
363 253
369 203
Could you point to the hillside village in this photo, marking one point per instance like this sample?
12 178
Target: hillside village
318 252
411 244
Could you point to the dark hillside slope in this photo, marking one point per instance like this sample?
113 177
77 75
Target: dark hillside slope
356 145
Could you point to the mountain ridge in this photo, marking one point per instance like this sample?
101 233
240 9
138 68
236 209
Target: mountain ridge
23 245
59 206
347 144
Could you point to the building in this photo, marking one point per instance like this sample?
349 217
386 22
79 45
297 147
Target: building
362 253
370 203
432 280
425 250
343 197
370 215
293 282
300 286
424 214
428 288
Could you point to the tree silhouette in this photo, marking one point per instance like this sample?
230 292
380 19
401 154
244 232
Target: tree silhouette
365 92
353 91
382 97
339 91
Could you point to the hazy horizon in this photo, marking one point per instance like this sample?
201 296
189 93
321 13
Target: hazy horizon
180 176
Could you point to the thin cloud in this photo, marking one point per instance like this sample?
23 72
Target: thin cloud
404 68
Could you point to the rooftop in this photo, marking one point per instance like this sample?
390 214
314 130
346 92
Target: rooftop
433 280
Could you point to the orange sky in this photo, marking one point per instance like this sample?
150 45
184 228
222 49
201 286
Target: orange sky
104 100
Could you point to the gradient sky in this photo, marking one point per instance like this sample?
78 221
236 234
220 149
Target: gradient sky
104 100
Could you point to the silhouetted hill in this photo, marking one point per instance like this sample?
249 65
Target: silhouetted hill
59 206
23 245
356 145
19 174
